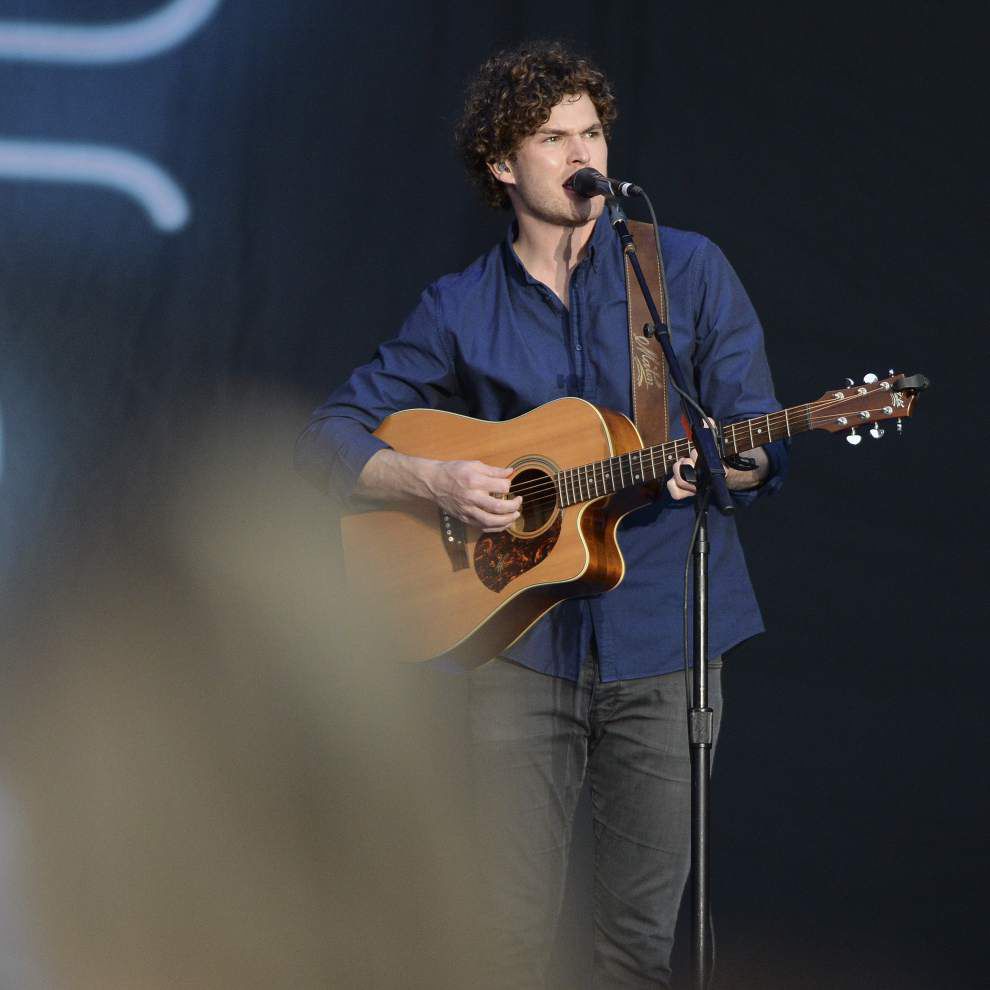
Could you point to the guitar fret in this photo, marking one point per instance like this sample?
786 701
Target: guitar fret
653 464
787 423
752 444
601 464
577 472
560 490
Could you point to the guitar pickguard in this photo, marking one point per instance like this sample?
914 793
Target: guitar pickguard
501 557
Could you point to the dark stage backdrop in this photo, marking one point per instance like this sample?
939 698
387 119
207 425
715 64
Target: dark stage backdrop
229 200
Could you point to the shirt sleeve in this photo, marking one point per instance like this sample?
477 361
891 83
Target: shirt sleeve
415 369
731 369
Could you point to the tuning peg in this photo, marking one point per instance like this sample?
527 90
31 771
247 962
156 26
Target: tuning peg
869 379
853 437
890 371
900 427
849 383
876 432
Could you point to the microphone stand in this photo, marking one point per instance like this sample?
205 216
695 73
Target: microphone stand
710 481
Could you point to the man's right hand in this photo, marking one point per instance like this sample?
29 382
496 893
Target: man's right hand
470 490
467 490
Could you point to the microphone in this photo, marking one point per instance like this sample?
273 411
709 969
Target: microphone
588 182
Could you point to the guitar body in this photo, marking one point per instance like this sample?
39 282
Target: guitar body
433 587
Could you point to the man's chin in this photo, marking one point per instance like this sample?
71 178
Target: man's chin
569 213
578 214
589 210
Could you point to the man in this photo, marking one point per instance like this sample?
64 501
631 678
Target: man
595 687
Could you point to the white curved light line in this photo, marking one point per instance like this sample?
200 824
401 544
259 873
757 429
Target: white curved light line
118 41
99 165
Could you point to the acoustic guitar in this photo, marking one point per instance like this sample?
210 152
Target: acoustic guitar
435 587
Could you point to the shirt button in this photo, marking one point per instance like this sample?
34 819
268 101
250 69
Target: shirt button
577 347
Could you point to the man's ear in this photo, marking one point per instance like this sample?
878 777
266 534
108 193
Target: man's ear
502 172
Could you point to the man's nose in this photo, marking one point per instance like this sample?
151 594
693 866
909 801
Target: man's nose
580 151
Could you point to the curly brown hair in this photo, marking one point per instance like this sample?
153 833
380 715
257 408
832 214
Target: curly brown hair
511 97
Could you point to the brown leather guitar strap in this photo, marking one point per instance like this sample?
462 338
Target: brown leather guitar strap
649 370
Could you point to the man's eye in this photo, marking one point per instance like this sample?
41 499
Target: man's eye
551 137
594 132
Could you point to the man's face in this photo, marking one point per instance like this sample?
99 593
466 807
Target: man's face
572 138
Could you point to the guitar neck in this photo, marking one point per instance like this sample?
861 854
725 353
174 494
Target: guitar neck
589 481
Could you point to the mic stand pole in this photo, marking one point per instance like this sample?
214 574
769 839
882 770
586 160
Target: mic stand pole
710 481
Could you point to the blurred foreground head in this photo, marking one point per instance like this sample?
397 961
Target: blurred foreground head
202 783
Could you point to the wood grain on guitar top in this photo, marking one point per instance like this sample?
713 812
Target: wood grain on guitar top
417 606
428 593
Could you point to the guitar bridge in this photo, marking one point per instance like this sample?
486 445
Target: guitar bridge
454 535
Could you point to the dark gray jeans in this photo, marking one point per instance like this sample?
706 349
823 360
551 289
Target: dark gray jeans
534 738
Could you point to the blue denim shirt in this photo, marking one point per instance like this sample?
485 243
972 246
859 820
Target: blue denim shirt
503 343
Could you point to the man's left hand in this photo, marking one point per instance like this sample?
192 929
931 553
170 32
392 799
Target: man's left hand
738 481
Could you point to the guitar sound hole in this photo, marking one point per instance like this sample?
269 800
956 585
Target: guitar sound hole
539 500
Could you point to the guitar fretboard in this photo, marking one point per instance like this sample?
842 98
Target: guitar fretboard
580 484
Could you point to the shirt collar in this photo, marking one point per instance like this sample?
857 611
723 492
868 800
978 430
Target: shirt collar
597 247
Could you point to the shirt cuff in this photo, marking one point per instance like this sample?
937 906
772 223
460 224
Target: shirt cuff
778 459
333 452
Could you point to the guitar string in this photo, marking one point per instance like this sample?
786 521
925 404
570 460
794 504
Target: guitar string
588 478
544 484
546 490
781 417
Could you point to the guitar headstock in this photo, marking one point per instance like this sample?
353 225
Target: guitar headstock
877 399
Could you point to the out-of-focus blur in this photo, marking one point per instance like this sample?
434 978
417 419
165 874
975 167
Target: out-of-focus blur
204 782
210 212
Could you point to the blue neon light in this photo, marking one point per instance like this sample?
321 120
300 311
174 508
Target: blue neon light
118 41
99 165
